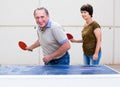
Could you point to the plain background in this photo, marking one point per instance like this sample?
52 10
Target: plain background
17 23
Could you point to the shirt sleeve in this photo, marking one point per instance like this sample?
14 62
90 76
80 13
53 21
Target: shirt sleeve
60 34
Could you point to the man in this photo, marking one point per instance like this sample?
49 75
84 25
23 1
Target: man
52 39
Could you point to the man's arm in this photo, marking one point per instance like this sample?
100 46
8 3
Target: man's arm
33 46
64 47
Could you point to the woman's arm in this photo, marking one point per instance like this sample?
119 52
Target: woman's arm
75 41
98 35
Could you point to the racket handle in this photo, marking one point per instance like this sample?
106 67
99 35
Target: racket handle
30 50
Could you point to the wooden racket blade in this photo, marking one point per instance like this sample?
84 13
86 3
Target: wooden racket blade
69 36
22 45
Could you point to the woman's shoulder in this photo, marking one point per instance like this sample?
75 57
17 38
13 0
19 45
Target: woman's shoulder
96 24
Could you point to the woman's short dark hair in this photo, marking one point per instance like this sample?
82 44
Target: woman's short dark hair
88 8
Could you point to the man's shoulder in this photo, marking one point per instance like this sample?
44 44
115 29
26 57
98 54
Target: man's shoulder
55 24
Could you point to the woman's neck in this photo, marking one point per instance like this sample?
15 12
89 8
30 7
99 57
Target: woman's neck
89 21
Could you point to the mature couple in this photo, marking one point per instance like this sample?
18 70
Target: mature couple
55 44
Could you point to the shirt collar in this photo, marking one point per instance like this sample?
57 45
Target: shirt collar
48 24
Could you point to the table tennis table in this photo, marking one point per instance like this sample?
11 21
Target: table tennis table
57 70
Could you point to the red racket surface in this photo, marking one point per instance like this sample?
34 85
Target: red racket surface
22 45
69 36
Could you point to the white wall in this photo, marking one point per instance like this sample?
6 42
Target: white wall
76 52
10 53
17 23
117 32
17 12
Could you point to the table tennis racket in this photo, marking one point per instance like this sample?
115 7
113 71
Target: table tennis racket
22 45
69 36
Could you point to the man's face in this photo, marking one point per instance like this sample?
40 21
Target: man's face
41 18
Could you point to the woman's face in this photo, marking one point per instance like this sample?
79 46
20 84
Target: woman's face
85 15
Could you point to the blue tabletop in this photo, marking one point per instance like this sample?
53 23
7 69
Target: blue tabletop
56 70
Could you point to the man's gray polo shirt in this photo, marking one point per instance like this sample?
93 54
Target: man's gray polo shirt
51 38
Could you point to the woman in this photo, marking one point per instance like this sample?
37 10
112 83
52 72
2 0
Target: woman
91 37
